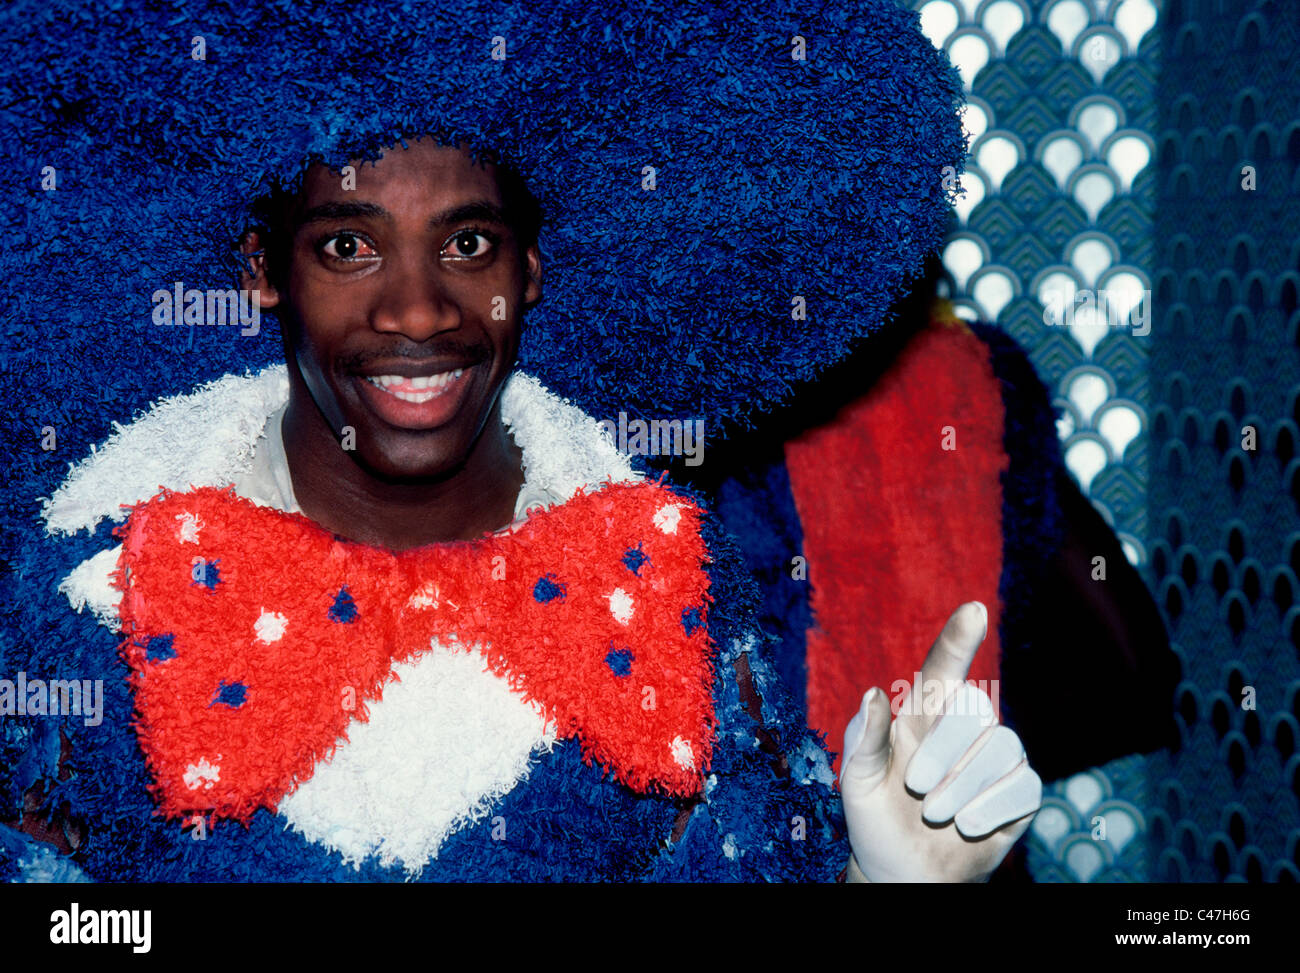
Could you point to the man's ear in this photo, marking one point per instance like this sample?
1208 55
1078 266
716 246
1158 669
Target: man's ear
533 267
253 275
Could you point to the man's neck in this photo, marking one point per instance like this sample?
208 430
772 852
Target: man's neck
337 493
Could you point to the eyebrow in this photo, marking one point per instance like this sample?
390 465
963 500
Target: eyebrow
480 209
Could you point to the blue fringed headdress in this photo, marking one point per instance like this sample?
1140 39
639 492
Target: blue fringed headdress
734 194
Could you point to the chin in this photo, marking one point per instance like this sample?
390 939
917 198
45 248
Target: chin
424 459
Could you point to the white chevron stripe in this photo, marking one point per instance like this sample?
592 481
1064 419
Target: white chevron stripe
442 747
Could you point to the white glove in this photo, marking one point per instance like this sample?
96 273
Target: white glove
980 793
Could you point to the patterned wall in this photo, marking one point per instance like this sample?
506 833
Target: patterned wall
1225 520
1104 228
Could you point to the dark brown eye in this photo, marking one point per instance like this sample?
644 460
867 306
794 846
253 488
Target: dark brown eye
346 246
468 243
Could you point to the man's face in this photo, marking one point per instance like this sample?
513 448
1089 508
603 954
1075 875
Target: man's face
405 297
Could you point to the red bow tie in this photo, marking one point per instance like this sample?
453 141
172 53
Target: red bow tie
255 636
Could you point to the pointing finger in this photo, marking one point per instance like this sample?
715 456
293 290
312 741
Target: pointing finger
945 666
954 650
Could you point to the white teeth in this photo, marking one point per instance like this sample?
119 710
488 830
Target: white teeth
422 387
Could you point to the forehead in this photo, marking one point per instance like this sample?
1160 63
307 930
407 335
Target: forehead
423 171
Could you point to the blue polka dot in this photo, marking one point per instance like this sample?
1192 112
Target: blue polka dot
620 661
230 694
159 648
209 577
633 558
692 619
547 589
344 608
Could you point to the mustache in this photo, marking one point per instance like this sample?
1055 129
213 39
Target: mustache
461 353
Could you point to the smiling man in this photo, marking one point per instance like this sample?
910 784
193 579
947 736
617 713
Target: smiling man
407 299
392 606
419 617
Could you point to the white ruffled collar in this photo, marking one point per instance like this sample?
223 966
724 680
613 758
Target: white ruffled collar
215 435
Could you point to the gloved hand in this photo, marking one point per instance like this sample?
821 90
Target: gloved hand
937 796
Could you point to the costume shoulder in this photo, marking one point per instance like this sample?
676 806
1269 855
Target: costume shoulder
201 438
206 437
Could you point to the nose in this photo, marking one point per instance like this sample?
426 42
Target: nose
414 304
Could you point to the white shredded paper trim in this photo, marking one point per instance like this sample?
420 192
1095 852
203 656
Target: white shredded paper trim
203 438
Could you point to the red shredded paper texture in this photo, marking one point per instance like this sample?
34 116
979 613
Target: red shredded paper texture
231 722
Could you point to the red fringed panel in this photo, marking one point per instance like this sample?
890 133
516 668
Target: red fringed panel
255 637
897 530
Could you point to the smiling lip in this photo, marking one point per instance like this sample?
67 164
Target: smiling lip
415 401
